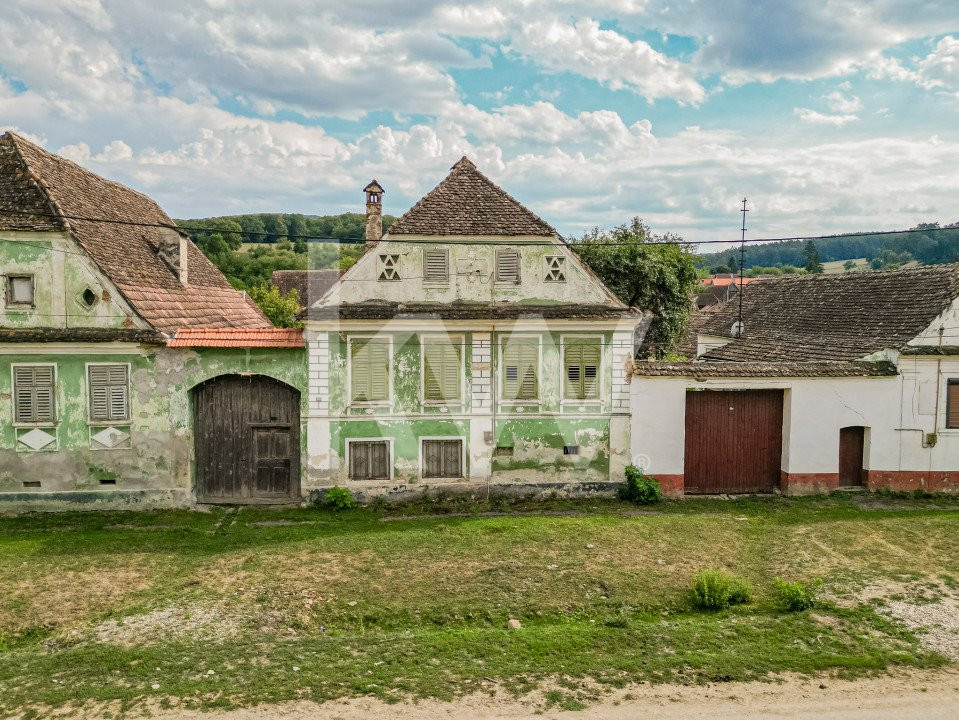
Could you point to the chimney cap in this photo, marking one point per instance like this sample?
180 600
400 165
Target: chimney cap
464 163
374 187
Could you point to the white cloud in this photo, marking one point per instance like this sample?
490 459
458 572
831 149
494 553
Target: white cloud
843 105
940 68
818 118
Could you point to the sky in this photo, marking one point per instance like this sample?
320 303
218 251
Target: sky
833 116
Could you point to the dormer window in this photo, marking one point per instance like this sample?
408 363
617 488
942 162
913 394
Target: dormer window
507 266
555 268
20 290
389 267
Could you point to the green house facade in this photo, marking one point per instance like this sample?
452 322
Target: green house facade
469 347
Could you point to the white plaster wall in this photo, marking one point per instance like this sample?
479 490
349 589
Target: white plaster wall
924 380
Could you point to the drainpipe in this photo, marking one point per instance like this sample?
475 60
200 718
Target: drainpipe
493 395
935 421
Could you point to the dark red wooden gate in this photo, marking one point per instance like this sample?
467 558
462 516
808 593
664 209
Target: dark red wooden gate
733 441
247 440
852 443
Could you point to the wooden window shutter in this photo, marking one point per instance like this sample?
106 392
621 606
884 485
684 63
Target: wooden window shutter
507 266
519 370
581 361
369 370
952 403
369 460
442 458
442 372
109 390
436 266
34 394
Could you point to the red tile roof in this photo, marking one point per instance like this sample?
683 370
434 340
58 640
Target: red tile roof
238 337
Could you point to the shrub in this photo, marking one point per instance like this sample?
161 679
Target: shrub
339 498
717 590
796 596
640 489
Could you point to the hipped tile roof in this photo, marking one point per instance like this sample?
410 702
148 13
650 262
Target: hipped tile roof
35 180
239 337
833 317
467 202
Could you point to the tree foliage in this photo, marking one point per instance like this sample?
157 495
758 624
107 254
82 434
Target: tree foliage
280 309
659 278
813 262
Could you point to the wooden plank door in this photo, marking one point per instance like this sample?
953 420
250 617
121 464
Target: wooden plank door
733 441
852 445
272 475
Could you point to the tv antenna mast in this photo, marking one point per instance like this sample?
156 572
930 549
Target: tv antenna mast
738 327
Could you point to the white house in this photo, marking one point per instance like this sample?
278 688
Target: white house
836 380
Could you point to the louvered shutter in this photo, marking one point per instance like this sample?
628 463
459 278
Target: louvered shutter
436 266
952 404
507 266
360 370
519 370
581 361
109 393
379 370
34 399
442 372
591 361
573 361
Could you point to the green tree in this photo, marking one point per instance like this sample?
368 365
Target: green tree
733 264
280 309
659 278
813 261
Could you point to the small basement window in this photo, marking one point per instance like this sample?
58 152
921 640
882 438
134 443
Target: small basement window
442 458
369 460
570 449
20 290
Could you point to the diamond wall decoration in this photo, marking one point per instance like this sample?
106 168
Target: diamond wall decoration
110 437
37 439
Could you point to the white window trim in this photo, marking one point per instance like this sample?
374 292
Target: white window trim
349 456
437 283
349 372
546 269
56 395
422 466
600 373
452 340
86 386
500 368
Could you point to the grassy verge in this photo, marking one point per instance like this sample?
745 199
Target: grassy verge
236 608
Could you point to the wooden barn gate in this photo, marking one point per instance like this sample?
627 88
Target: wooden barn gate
733 441
247 440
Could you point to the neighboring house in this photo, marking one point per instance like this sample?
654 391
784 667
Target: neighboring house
96 402
836 380
310 285
469 346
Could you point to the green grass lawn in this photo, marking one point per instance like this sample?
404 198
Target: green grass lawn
233 608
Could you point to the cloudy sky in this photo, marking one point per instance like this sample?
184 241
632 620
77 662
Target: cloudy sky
837 115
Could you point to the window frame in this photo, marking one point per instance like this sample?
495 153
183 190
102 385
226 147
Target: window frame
519 266
952 386
350 442
458 340
54 421
462 440
388 401
564 340
560 268
426 279
129 395
501 370
9 302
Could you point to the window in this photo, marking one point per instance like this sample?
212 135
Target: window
20 290
442 370
555 269
369 459
442 458
109 392
570 449
520 360
389 267
436 266
369 370
952 403
581 363
89 298
34 393
507 266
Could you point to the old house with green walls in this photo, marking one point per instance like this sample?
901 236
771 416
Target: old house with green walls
131 372
468 348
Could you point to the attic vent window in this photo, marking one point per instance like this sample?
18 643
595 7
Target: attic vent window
89 297
507 266
20 290
389 267
555 269
436 266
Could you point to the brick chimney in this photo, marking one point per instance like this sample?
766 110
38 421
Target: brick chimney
173 250
374 214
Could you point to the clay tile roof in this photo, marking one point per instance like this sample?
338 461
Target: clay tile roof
386 310
310 285
833 317
127 254
698 369
467 202
239 337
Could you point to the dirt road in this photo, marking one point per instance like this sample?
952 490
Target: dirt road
930 695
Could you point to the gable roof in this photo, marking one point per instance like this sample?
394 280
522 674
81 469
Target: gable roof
310 285
55 192
467 202
833 317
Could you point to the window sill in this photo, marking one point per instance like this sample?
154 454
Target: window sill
24 426
108 423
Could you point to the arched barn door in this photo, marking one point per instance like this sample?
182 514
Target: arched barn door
247 440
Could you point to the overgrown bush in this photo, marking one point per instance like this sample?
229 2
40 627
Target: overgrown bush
640 489
717 590
339 498
797 596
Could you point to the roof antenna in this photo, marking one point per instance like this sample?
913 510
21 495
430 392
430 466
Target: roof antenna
738 326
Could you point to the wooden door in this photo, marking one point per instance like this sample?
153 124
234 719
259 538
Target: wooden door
733 441
852 444
247 440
